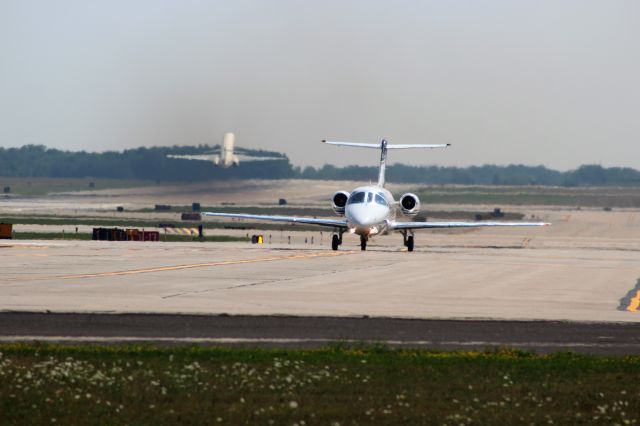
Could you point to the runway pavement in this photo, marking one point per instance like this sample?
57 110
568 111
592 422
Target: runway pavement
312 332
573 286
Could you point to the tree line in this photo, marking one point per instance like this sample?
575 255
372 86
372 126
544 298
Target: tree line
152 164
138 163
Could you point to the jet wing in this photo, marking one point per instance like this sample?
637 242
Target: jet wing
336 223
435 225
248 158
199 157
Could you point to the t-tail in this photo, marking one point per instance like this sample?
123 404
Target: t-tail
384 146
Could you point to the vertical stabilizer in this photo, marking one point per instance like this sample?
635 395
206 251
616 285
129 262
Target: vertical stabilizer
228 142
383 163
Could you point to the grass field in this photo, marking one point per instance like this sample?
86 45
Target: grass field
42 186
531 195
83 236
137 223
271 210
327 212
231 224
146 385
429 194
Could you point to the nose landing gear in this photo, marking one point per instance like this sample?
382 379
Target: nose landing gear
363 242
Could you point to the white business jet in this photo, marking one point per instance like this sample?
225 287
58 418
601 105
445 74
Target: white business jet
371 210
225 157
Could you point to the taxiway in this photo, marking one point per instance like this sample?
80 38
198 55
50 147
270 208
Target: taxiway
312 332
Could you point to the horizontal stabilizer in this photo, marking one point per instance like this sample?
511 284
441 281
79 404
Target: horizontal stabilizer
198 157
417 145
249 158
389 146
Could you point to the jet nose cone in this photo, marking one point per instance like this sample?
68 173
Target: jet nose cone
361 216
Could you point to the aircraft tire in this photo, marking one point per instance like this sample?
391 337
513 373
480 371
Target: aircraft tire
410 243
335 242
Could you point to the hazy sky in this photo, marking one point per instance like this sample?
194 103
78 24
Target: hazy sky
532 82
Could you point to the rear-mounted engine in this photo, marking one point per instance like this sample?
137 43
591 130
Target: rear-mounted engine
339 200
410 204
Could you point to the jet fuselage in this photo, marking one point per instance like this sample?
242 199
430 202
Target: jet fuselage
368 210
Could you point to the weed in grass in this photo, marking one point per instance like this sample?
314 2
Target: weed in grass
140 385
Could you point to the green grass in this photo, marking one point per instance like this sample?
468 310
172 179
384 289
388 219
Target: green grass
146 385
42 186
228 224
208 238
137 223
91 221
269 210
328 212
534 195
83 236
432 194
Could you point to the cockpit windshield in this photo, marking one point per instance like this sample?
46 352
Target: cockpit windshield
357 198
380 200
367 197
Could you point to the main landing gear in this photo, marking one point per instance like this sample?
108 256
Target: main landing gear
407 236
336 240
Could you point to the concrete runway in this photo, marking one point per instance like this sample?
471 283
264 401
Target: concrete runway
311 332
583 268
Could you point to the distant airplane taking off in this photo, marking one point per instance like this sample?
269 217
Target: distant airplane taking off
371 210
225 158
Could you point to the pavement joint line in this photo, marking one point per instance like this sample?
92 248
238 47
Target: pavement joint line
292 340
180 267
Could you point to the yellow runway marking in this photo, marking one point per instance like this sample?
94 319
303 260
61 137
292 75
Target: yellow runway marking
180 267
24 246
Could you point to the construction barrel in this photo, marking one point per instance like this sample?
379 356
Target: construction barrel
6 231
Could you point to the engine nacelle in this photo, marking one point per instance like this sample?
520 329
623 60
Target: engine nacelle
339 201
410 204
